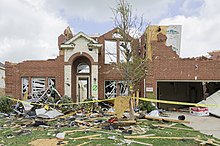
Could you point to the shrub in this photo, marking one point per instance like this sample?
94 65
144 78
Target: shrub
147 106
5 105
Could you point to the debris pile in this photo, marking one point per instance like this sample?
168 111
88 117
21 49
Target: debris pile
65 123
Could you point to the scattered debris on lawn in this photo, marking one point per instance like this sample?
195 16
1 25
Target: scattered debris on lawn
165 119
93 119
52 113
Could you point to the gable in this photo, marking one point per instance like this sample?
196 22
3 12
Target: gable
81 35
115 33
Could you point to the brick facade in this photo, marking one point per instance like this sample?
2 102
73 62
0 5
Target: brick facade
49 68
166 65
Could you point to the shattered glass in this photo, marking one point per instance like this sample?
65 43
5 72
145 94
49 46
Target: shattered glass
51 82
38 86
123 88
122 54
110 89
25 85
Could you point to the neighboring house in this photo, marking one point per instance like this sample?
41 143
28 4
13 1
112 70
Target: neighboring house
84 68
2 79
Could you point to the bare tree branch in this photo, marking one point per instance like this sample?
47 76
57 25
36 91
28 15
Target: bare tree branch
135 66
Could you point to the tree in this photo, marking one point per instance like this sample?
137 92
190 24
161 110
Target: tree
134 68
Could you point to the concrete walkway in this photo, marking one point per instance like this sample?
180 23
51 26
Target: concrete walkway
208 125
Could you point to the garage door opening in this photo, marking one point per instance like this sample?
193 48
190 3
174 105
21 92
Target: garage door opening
192 92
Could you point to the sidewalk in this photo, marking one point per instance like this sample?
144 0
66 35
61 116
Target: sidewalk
208 125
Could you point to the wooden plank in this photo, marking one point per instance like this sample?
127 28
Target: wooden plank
83 122
215 141
97 138
204 143
138 142
165 119
127 122
168 126
84 137
139 136
77 130
158 137
83 143
104 132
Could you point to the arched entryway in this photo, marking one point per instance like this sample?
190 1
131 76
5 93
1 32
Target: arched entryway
81 79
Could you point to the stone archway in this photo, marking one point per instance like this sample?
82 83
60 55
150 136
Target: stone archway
81 78
72 77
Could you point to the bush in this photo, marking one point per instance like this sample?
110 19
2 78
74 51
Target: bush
5 105
147 106
66 100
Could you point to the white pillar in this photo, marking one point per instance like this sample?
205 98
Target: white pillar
67 80
94 81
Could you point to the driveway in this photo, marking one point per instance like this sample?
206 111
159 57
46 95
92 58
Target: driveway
208 125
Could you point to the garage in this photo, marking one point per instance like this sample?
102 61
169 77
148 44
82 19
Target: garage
185 91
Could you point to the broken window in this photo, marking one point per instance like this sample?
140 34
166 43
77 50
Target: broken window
38 86
110 89
51 82
25 85
122 51
123 88
83 68
110 52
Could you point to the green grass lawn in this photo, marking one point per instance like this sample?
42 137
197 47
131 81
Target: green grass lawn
10 127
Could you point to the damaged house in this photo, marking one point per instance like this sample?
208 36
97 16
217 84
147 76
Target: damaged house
84 68
178 79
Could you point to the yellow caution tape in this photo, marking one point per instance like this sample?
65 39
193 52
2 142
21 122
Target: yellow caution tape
46 107
176 102
140 98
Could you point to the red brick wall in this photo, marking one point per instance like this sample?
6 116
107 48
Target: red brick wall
166 65
47 68
106 71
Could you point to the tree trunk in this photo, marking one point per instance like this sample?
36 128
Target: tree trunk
131 107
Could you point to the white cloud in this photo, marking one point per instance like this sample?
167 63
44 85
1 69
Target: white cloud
100 10
28 31
200 33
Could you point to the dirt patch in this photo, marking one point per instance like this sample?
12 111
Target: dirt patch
48 142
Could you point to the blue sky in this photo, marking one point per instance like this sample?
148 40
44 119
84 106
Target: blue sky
29 29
